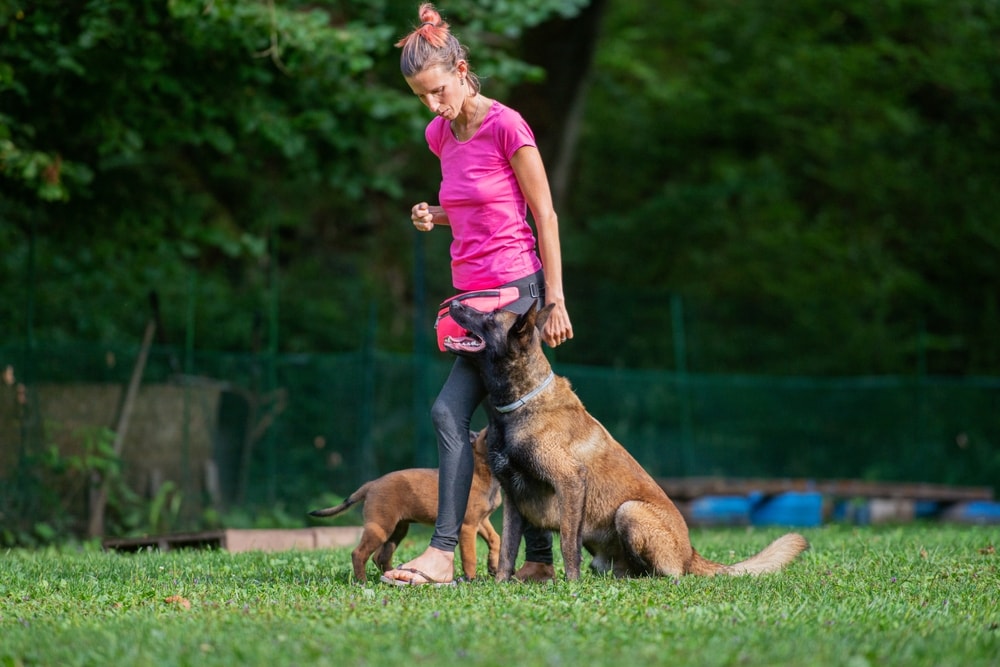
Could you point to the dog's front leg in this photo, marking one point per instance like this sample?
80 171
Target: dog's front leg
510 540
572 507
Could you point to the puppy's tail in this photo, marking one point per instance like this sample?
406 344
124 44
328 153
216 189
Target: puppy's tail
774 556
351 500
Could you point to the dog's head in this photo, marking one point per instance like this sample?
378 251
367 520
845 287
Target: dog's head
498 334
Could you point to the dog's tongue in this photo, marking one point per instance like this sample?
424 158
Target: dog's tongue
469 342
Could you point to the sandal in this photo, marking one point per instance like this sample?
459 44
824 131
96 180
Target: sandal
427 580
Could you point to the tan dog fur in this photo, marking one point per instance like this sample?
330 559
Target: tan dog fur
395 500
560 469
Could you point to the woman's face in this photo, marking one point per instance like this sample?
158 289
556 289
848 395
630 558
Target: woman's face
441 91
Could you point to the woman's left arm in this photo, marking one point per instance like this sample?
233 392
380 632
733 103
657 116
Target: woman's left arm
530 173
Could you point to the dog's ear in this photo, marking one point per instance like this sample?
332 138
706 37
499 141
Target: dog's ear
543 316
533 319
524 322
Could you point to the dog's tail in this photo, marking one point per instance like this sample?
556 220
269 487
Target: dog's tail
351 500
774 556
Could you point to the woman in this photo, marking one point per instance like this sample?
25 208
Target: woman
492 173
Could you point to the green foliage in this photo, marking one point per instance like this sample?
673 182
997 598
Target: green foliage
196 147
816 180
813 177
274 516
41 501
914 596
38 502
164 509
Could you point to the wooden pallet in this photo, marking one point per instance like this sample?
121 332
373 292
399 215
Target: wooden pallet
237 539
689 488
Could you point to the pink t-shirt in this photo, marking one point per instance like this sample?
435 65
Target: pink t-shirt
492 242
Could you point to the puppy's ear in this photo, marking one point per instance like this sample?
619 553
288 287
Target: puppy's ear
543 315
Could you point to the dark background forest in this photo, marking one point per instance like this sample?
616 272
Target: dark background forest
778 222
814 182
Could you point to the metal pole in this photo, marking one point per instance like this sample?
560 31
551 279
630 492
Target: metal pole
424 448
272 357
683 385
187 486
368 398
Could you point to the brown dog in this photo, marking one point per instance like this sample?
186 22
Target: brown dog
561 470
397 499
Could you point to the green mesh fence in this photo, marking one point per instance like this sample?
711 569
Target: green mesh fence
243 431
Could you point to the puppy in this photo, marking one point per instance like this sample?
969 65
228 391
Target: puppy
560 469
395 500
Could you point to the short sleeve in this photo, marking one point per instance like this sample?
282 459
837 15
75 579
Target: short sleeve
513 133
434 134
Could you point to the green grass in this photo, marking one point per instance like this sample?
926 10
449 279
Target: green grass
915 595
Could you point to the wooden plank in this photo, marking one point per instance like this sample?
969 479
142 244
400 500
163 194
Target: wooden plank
686 488
905 490
237 540
203 540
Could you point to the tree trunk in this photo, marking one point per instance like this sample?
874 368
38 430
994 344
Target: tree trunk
565 49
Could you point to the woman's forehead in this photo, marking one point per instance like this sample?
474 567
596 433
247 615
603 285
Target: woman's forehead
429 79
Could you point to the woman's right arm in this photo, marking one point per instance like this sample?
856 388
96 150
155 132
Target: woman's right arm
425 216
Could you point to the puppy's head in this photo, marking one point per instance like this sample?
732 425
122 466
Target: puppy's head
496 335
479 448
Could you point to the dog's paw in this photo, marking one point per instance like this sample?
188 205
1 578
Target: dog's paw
536 573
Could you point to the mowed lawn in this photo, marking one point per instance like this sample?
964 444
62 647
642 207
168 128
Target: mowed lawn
913 595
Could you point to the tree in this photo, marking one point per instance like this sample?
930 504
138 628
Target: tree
812 178
815 180
194 147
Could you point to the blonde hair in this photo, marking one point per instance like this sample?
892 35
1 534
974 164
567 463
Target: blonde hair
431 44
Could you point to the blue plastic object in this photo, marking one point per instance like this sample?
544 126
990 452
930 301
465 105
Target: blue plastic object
793 508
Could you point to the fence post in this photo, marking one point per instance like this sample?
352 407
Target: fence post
188 490
271 381
31 432
368 467
683 388
423 454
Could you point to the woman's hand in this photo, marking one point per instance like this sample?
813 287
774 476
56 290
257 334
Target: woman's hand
558 329
422 217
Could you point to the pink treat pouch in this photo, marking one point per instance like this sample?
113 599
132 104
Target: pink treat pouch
485 301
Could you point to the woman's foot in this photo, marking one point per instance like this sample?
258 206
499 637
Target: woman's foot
434 566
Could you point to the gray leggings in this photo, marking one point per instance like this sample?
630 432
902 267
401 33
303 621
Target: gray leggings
451 413
452 417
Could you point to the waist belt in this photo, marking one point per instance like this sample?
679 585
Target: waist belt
485 301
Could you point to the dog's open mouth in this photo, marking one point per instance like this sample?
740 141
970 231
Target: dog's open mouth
467 343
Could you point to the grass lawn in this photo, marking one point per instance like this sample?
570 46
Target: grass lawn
914 595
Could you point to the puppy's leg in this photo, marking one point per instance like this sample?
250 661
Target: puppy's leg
655 540
489 533
383 557
372 538
467 546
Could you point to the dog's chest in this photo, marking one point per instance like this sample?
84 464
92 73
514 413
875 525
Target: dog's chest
499 457
514 465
